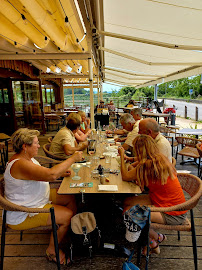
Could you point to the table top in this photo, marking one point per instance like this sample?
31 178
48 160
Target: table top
84 172
190 131
155 114
4 136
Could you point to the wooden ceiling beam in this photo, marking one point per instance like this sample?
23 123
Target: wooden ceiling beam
45 56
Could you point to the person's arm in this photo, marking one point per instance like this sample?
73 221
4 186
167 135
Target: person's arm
120 139
126 146
127 175
80 136
118 131
69 150
27 170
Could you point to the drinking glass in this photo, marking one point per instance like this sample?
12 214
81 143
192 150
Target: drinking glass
76 167
108 158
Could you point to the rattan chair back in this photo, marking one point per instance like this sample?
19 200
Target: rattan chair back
187 141
192 185
49 154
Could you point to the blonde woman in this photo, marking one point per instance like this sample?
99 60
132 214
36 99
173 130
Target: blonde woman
153 170
27 184
85 122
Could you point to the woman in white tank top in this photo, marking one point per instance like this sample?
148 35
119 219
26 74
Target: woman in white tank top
27 184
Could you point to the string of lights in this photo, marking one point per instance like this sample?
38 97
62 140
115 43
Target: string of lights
67 21
16 43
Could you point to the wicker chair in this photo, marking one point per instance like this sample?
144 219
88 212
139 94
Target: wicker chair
198 146
189 149
2 156
172 142
49 154
9 206
50 139
193 186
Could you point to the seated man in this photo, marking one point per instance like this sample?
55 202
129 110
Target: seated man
64 143
150 127
129 124
101 105
136 114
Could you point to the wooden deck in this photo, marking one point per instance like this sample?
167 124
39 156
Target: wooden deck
175 255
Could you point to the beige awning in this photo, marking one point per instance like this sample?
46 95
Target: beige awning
158 41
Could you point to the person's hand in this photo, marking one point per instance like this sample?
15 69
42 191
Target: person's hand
121 151
117 140
89 132
88 121
66 174
130 167
109 132
77 156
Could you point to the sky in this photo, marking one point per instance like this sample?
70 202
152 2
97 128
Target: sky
109 87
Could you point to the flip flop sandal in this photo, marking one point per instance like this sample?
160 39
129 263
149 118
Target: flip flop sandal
159 237
52 258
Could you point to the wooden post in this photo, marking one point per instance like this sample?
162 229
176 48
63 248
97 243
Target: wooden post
196 114
155 92
101 91
41 106
185 112
90 68
73 95
98 94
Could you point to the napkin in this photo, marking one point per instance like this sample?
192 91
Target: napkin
107 188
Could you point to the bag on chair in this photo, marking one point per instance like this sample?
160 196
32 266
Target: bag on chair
86 235
135 219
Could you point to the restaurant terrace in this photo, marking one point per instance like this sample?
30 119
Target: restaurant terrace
49 46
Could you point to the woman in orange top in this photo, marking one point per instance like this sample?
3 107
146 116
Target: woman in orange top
153 170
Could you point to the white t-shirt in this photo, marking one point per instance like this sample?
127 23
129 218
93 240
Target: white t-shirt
164 146
131 135
29 193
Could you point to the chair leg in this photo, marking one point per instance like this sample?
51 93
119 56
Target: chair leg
3 234
55 236
178 235
21 234
199 166
147 257
194 240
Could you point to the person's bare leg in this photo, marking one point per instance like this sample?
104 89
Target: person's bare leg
141 200
63 217
67 201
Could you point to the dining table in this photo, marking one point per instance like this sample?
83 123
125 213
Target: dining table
190 131
111 181
155 115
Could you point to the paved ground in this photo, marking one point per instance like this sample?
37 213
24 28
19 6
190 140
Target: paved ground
191 108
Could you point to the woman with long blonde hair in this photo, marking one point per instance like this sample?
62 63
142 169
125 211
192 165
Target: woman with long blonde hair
153 170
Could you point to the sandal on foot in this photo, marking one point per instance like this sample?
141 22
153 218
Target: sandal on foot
159 237
155 249
52 258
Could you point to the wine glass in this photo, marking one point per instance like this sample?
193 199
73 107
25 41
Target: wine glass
76 167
